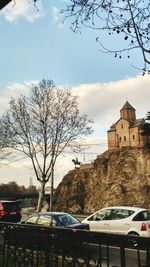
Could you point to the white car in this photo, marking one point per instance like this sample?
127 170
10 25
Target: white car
121 220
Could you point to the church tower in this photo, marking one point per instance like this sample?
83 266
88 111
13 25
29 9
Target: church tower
126 132
128 112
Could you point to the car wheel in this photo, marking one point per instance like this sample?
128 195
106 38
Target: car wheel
133 233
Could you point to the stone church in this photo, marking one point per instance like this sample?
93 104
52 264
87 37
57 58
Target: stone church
127 131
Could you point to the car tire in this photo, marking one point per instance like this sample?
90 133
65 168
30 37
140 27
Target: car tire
133 233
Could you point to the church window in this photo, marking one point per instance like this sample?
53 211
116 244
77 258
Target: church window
122 126
120 139
124 138
133 137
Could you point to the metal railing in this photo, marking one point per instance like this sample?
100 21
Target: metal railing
34 246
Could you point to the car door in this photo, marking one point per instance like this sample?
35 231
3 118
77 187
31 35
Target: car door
98 221
120 221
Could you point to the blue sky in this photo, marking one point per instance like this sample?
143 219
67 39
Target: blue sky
36 45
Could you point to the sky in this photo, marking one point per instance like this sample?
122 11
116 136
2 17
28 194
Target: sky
36 44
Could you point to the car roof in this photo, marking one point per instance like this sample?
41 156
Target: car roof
125 208
51 213
5 200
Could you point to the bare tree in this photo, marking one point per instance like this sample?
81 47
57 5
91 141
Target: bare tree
128 18
42 125
5 151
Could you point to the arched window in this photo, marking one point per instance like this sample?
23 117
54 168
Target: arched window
122 126
124 138
133 136
120 139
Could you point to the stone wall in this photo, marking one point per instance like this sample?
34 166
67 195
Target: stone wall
118 177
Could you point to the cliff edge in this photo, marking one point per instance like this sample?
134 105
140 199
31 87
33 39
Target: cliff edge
117 177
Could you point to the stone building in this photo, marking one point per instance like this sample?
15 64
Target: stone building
127 132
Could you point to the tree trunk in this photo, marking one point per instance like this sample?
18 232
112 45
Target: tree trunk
41 196
51 189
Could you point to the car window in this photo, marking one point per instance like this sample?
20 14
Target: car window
46 220
67 219
142 216
117 214
100 215
10 206
32 220
111 214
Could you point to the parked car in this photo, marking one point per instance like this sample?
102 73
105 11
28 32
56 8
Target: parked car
10 211
121 220
58 219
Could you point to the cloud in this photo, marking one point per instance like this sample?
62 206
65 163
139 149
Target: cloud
56 16
100 101
103 101
22 9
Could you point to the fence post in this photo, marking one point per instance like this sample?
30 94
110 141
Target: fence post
47 248
148 255
122 256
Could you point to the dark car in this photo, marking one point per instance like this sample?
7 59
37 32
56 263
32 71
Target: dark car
10 211
58 219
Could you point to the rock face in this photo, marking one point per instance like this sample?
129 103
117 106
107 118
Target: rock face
118 177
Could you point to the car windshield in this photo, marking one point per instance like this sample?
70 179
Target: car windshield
10 206
67 219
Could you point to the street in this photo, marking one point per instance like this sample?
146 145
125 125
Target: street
114 256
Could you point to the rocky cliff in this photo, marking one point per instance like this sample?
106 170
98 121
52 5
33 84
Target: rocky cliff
118 177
